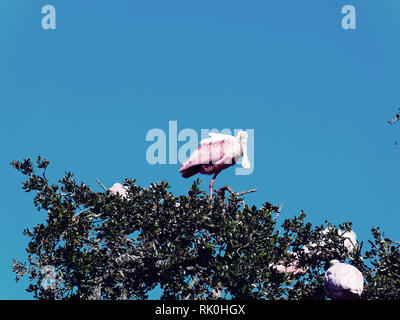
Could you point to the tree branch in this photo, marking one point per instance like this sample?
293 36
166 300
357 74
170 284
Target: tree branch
375 246
101 185
228 188
279 212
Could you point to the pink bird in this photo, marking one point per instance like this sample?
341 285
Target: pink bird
118 188
350 241
215 154
291 268
343 281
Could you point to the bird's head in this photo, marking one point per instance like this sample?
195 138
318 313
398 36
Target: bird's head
333 262
242 137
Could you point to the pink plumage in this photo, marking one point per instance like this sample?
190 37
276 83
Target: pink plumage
207 158
291 268
118 188
215 154
343 281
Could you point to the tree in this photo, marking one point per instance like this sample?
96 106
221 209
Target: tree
107 245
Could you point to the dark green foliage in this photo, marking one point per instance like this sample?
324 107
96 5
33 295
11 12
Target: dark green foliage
384 276
102 245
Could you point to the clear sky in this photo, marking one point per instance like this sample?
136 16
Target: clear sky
318 97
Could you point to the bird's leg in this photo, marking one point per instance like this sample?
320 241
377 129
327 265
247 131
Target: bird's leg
212 183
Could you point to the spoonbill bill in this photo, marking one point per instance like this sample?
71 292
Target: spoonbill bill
216 153
343 281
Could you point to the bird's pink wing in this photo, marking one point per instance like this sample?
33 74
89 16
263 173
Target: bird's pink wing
343 277
211 151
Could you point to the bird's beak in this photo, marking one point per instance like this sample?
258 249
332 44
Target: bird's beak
245 160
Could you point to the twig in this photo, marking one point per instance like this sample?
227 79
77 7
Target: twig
279 212
193 282
44 173
228 188
245 192
101 185
82 211
375 246
65 194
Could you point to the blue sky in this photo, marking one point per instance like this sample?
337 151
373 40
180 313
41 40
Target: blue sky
317 96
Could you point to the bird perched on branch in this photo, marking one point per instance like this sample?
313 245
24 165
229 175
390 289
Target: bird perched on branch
349 240
343 281
120 189
215 154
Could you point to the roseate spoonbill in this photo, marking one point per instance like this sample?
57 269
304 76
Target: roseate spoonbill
350 240
343 281
118 188
291 268
215 154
